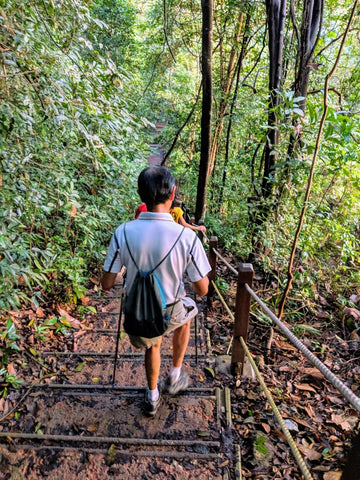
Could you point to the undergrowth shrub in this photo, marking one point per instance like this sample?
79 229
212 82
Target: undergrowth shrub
70 149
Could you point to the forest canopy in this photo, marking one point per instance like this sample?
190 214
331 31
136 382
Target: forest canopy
82 85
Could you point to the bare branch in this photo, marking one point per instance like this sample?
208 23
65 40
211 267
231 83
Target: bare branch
165 31
293 19
334 40
331 89
182 126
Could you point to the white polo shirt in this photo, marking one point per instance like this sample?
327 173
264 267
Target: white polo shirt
150 238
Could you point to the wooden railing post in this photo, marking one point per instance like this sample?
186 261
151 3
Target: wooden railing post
200 233
213 243
242 314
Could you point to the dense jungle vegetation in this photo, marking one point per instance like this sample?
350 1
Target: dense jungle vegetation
82 85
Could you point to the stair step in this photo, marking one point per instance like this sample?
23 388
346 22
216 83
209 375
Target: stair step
66 462
114 419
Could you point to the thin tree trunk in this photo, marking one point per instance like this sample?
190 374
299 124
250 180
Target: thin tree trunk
165 31
207 13
309 36
226 87
233 102
276 12
182 126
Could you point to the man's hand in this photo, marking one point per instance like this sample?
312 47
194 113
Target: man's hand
108 280
201 287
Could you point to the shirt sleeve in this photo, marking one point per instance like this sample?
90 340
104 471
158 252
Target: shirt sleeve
176 213
141 208
198 266
113 262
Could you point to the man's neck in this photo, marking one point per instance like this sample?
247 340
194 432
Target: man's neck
161 207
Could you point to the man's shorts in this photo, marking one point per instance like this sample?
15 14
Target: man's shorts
181 313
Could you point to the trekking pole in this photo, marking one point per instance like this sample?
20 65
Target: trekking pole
196 334
196 339
118 337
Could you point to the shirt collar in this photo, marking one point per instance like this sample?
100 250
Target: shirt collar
155 216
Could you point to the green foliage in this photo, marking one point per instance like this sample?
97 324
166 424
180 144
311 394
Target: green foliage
222 285
10 379
302 328
260 444
80 83
57 325
8 346
69 148
113 31
8 338
83 310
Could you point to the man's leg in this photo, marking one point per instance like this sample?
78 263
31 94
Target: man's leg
180 342
152 367
179 380
152 364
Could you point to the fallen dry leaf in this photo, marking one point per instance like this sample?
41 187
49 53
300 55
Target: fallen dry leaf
10 369
309 411
332 475
352 312
309 453
346 423
284 345
40 312
285 368
334 399
304 386
80 333
312 372
266 427
73 211
93 427
305 423
85 300
74 322
354 336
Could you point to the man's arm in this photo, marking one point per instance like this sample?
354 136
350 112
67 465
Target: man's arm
201 287
108 280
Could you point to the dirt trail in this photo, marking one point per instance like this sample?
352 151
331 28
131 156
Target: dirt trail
83 426
156 155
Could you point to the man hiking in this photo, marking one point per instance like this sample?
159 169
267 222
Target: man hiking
154 245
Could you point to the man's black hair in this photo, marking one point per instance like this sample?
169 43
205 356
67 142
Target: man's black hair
155 185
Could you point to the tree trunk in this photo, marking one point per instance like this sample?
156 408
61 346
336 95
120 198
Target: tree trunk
276 12
232 106
309 35
310 30
226 83
207 15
